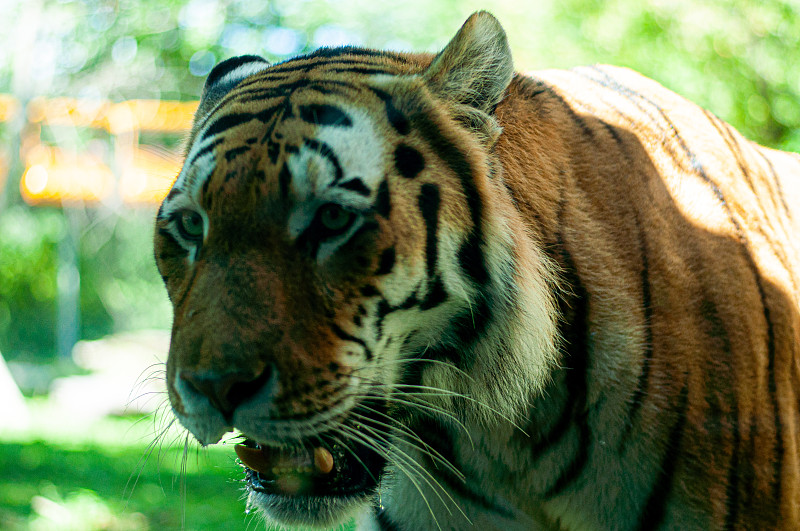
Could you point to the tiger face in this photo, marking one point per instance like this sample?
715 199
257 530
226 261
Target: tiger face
327 244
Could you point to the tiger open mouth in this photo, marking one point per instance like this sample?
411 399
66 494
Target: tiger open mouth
324 467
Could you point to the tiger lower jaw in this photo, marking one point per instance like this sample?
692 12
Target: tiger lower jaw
319 483
295 473
306 511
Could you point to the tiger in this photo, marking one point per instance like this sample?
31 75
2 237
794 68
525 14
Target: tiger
429 292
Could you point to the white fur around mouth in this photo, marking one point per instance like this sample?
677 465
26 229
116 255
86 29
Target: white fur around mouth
281 433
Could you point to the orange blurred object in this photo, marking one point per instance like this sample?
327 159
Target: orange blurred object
144 174
54 177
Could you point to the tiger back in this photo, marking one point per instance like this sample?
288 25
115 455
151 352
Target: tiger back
433 293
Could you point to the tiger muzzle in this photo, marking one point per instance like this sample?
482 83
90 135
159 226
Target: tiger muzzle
227 390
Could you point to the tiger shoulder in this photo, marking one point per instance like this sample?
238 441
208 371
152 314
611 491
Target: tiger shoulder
430 292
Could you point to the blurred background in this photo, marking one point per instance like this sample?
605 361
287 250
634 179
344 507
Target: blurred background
95 99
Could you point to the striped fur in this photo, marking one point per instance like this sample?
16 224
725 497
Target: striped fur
563 300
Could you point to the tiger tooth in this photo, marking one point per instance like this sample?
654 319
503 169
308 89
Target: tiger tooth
323 460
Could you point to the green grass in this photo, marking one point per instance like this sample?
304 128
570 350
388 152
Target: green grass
51 486
62 474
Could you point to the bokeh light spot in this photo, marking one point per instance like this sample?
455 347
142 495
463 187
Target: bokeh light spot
201 63
35 179
282 41
124 50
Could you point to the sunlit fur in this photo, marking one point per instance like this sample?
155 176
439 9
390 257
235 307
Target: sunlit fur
563 300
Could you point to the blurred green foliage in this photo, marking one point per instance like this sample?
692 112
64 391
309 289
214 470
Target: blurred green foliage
115 474
56 486
27 278
120 287
739 58
49 486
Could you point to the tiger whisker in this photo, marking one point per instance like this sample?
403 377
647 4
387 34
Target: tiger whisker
364 466
358 437
424 448
144 459
443 392
151 375
426 407
147 396
386 363
156 417
183 479
406 463
410 460
437 391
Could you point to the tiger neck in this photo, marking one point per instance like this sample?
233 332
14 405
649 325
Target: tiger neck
506 345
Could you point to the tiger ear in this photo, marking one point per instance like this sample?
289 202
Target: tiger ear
475 67
472 73
225 76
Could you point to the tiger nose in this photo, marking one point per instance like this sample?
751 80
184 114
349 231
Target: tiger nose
226 391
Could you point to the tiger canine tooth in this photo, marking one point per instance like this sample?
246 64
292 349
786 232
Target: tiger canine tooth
323 460
253 458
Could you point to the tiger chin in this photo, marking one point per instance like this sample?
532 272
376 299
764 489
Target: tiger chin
433 293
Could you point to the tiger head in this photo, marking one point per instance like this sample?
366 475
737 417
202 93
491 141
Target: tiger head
331 248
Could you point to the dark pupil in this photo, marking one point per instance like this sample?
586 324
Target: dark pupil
191 222
334 218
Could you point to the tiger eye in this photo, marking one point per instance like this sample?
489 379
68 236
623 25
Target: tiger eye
191 225
334 217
